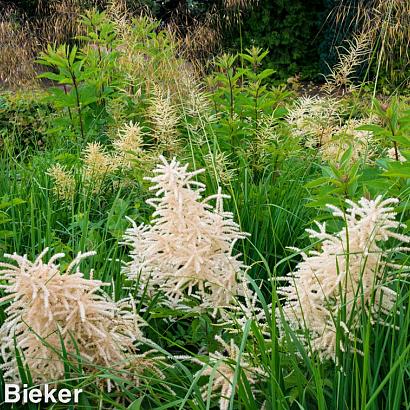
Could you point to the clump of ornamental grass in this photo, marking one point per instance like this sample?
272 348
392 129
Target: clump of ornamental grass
331 289
17 49
60 21
50 307
222 367
384 27
187 250
200 36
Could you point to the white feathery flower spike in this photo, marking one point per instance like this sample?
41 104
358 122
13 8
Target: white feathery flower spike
188 248
314 119
350 274
50 307
128 145
222 367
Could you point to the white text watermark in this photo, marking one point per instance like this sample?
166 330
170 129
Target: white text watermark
14 393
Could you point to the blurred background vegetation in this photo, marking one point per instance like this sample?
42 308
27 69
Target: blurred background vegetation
304 37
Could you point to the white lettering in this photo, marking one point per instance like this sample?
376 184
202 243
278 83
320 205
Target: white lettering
76 394
64 396
35 396
49 395
25 395
12 394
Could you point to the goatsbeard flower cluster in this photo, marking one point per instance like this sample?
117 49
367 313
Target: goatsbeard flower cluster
349 274
97 165
188 248
165 119
129 144
317 121
348 135
50 308
64 182
314 119
222 366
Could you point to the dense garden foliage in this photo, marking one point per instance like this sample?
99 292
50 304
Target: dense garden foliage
201 239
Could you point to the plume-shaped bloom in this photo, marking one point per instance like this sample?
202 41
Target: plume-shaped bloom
349 274
50 307
222 366
351 57
348 135
97 165
164 119
63 180
129 144
314 119
188 248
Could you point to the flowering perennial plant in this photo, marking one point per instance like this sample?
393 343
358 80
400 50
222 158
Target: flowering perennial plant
49 308
64 182
165 119
349 274
314 119
223 368
129 144
97 165
318 122
348 135
188 248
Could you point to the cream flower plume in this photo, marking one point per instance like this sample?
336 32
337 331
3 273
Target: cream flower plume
350 273
49 307
222 366
188 248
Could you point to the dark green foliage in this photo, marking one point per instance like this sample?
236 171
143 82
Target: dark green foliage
21 121
274 177
288 29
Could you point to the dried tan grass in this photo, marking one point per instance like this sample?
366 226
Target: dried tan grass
17 51
22 39
387 26
200 37
62 23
